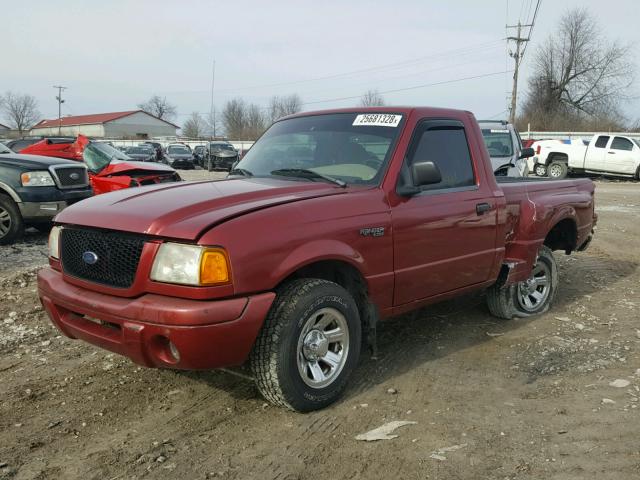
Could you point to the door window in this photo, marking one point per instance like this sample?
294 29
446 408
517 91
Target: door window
444 143
602 141
621 143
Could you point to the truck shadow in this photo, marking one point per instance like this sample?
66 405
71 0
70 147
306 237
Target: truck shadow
434 332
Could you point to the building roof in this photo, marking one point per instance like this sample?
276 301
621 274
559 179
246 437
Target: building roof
4 126
97 118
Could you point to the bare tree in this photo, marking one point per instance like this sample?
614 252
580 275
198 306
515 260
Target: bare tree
234 118
243 121
159 106
371 98
21 111
213 124
195 126
283 106
579 76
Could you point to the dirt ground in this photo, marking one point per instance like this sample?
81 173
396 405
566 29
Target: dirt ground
525 399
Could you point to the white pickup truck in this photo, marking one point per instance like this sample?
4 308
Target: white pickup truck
604 153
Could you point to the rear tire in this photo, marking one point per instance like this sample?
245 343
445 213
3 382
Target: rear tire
11 223
308 346
557 170
530 297
540 170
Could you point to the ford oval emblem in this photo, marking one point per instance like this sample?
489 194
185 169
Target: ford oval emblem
90 258
74 176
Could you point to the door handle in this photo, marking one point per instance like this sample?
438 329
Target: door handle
611 153
482 208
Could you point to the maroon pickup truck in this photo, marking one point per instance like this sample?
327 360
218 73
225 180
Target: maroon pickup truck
333 221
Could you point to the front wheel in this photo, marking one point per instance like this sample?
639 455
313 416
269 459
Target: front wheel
11 223
308 346
540 170
557 170
530 297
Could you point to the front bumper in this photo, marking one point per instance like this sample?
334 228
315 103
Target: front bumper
206 334
44 203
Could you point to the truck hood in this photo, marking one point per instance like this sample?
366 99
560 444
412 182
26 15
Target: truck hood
185 210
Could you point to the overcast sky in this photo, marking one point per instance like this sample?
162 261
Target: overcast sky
114 54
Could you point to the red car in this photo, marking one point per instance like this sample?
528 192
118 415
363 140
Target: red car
109 168
332 221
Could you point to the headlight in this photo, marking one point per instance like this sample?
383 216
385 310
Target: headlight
36 179
54 242
190 265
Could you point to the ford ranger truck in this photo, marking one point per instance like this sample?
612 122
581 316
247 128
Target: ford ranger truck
332 222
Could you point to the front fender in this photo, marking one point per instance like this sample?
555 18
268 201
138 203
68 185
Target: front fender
316 251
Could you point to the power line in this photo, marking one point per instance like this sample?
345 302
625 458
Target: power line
389 66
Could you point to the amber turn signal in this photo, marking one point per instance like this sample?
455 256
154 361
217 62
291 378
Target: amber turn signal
214 267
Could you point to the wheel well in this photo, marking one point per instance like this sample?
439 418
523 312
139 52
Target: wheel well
349 278
559 157
563 236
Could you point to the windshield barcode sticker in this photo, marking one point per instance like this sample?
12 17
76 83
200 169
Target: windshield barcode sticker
377 120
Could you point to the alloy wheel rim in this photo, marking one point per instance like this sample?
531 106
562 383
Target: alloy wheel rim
540 171
534 291
5 222
555 171
323 347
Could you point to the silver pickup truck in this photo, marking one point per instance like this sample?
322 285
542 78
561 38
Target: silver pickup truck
504 144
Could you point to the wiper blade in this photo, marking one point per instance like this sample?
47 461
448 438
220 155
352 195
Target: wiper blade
241 171
305 173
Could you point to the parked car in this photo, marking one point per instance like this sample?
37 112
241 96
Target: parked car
34 189
143 153
158 148
508 157
179 156
604 153
199 154
333 221
221 156
109 168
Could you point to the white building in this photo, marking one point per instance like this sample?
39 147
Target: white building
4 130
131 124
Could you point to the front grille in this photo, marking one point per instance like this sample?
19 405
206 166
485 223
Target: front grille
117 256
70 176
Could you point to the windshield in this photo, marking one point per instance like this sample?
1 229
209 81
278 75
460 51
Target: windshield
498 142
4 149
178 150
350 147
221 146
98 155
138 151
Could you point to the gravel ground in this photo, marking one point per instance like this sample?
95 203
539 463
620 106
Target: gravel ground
552 397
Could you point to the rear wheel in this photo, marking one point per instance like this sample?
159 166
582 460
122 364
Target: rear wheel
557 170
530 297
308 346
540 170
11 223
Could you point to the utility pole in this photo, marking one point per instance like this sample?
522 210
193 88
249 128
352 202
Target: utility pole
517 56
212 111
60 102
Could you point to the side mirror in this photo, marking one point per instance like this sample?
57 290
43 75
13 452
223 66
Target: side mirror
527 152
425 173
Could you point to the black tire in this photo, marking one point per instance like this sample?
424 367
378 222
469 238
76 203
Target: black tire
557 170
638 173
277 352
540 170
11 223
508 302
